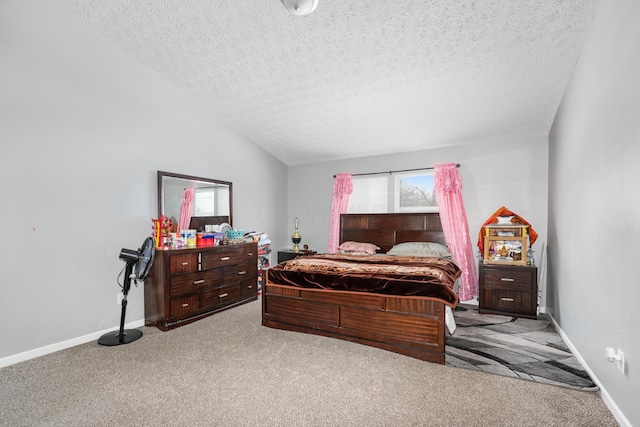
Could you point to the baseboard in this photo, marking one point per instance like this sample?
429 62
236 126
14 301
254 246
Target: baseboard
606 398
32 354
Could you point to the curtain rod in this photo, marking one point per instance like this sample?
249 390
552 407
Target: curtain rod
392 172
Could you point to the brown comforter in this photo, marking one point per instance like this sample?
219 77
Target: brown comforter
382 274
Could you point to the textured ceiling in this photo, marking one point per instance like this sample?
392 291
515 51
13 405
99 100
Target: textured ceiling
358 78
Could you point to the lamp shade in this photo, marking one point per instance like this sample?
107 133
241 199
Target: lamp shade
300 7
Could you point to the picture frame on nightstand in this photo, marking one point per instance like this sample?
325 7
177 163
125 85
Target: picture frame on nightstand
505 244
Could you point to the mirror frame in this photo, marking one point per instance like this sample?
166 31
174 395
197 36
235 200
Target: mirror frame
162 174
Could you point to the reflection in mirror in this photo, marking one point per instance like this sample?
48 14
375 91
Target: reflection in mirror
212 199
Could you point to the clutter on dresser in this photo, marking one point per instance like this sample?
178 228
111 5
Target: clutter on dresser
162 234
264 248
214 235
264 253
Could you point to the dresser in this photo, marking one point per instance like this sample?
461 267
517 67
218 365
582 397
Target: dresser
185 285
509 290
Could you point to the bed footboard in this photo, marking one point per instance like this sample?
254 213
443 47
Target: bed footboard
412 326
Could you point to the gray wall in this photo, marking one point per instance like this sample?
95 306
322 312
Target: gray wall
509 172
594 203
84 128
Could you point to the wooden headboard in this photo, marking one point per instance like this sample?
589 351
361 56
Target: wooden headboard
388 229
198 222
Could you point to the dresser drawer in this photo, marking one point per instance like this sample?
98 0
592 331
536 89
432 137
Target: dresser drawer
249 288
183 263
194 283
251 255
221 296
227 255
239 272
181 307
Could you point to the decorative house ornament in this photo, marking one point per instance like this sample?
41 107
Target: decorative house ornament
515 218
506 238
300 7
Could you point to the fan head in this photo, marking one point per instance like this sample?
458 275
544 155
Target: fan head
142 259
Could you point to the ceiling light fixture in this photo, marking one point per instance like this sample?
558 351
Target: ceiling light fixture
300 7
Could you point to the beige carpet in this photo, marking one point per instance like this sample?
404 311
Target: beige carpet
229 370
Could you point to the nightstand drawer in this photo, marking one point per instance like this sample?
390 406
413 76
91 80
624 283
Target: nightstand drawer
509 290
511 279
508 301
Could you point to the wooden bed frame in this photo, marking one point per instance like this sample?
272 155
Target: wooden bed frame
413 326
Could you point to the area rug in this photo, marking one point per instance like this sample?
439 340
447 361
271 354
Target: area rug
514 347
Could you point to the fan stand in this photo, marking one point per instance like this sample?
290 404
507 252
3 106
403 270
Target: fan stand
123 336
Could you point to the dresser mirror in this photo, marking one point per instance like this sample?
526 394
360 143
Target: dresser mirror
212 203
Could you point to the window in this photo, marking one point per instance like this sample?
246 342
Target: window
400 192
204 202
414 193
370 195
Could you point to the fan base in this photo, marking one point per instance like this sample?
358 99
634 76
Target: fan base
117 338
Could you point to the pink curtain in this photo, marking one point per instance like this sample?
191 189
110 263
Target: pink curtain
186 208
342 187
448 187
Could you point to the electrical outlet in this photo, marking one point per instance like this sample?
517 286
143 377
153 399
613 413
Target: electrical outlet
120 298
620 361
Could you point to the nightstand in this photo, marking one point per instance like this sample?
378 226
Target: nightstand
290 254
509 290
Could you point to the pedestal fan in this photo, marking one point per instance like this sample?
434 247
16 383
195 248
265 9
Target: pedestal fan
138 267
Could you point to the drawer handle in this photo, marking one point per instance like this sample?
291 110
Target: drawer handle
250 253
242 272
185 305
225 258
250 286
223 295
507 299
507 279
185 263
198 282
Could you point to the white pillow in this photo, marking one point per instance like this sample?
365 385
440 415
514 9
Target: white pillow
427 249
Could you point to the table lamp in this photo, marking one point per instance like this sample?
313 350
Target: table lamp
295 237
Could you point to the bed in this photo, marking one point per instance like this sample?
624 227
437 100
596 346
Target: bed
403 313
